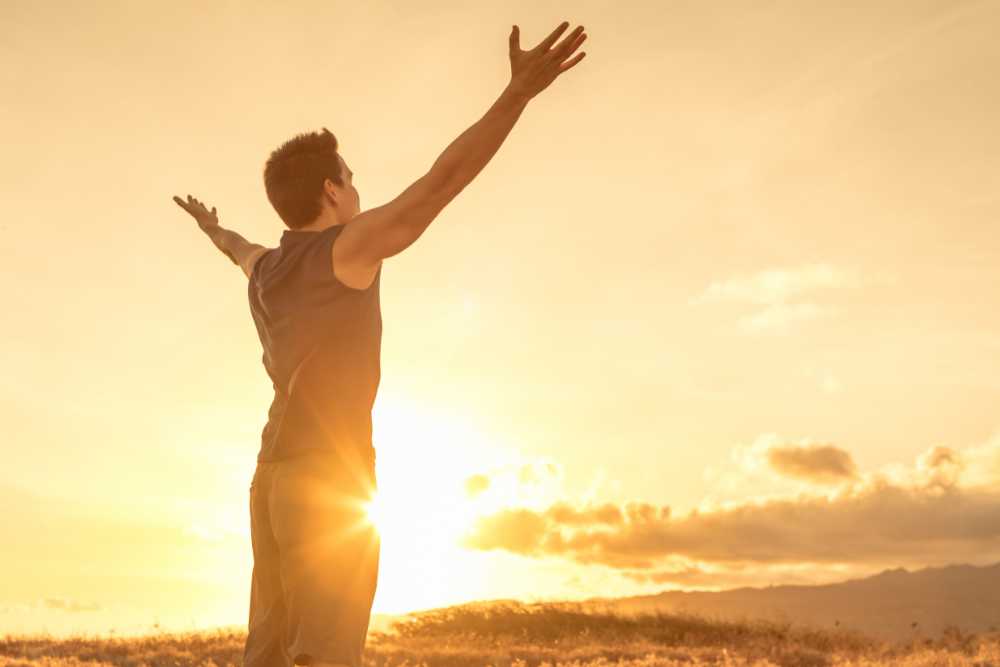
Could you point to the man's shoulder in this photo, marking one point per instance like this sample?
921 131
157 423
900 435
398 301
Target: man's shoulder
254 258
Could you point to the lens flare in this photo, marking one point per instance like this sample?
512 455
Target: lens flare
375 512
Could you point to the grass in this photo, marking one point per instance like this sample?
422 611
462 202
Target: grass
510 634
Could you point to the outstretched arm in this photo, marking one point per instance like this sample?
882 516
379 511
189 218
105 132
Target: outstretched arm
243 253
389 229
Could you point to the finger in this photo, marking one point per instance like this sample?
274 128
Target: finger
568 45
569 63
551 39
515 39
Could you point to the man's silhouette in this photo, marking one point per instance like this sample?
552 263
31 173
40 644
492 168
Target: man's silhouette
315 303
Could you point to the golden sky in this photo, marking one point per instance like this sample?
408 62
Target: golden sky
742 259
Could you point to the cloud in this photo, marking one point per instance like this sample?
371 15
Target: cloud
881 522
521 531
821 464
776 459
781 317
831 384
690 573
476 484
773 289
566 514
69 605
538 472
981 464
927 516
940 467
775 286
533 482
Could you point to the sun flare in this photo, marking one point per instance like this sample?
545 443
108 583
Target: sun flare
375 512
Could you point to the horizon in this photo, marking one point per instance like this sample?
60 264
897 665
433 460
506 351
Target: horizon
380 619
721 312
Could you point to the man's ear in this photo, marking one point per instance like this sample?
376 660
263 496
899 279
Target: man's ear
329 193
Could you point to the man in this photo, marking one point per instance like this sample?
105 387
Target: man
315 303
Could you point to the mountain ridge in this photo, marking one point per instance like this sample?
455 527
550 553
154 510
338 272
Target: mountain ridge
893 604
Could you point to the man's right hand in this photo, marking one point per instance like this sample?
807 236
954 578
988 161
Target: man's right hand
532 71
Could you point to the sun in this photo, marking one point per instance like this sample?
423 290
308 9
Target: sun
375 512
420 506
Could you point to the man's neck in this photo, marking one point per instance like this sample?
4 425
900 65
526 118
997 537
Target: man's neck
318 226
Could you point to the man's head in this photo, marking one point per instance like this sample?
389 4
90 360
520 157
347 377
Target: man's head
307 182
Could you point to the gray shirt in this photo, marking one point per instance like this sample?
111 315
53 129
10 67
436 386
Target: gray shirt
322 343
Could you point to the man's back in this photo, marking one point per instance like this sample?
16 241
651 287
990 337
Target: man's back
321 342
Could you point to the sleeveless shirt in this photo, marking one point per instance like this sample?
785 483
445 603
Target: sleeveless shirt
322 343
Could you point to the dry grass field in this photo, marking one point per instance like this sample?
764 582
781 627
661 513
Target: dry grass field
509 634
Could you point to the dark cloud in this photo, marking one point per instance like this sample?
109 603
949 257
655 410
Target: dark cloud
867 523
822 464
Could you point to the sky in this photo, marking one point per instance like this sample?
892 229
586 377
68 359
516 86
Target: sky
721 311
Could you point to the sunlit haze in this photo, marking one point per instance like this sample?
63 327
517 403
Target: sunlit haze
721 309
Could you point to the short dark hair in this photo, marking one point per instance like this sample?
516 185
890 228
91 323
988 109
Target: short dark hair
294 176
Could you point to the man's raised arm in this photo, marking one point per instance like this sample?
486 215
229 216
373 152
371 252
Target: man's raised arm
391 228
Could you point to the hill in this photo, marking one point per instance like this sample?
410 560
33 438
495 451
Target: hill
896 604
